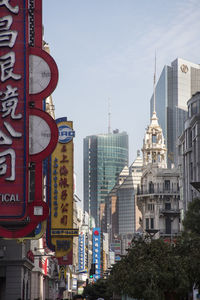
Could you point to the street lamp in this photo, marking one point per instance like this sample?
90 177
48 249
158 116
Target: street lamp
152 232
196 185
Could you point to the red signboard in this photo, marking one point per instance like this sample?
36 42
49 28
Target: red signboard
27 75
14 131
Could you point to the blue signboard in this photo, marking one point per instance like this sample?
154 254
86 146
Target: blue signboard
81 252
96 247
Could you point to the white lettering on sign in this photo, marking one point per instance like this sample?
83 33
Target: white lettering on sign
8 98
9 197
7 62
3 165
14 10
7 37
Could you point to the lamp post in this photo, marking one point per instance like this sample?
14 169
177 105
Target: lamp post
152 232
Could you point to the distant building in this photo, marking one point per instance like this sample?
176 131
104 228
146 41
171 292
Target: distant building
111 210
122 215
176 85
158 194
189 153
105 155
126 195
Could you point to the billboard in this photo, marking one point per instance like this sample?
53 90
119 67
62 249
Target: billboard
27 75
96 251
13 113
81 252
60 197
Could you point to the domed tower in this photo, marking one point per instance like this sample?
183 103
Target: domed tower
154 149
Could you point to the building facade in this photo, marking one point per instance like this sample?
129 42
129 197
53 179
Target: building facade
105 155
176 85
111 208
158 195
126 195
189 153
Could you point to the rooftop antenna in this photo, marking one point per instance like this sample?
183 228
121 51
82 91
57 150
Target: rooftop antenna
109 116
154 87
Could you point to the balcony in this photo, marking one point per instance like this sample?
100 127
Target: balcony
159 192
169 212
173 233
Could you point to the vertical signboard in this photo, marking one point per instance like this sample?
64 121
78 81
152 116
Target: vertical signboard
96 251
116 248
81 252
61 194
13 110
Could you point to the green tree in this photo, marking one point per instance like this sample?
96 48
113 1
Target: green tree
152 269
99 289
191 221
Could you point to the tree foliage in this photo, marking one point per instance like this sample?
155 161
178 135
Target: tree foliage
152 269
191 221
99 289
156 270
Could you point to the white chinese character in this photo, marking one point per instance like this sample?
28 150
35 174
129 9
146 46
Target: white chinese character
4 139
10 98
3 165
7 62
7 37
12 132
14 10
9 107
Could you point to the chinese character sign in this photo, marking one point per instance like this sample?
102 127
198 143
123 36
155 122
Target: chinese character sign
81 252
62 189
13 110
96 250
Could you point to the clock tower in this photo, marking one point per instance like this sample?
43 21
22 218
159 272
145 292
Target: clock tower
154 148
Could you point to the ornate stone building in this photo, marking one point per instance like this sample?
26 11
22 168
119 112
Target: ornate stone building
158 194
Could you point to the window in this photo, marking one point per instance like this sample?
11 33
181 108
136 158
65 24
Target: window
191 171
147 223
154 139
168 225
167 185
150 207
194 108
152 223
167 206
151 187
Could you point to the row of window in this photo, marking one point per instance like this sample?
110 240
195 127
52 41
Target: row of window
151 207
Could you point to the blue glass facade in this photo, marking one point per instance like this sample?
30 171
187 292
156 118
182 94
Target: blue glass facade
105 156
174 88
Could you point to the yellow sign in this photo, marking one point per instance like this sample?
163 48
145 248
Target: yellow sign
62 189
64 232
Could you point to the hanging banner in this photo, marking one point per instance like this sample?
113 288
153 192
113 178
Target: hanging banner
81 252
96 251
60 227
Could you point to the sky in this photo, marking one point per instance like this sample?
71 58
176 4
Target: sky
105 53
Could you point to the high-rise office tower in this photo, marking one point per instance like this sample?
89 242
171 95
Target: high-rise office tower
176 85
105 155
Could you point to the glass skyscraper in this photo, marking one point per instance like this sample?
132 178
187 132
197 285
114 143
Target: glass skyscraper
105 155
176 85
